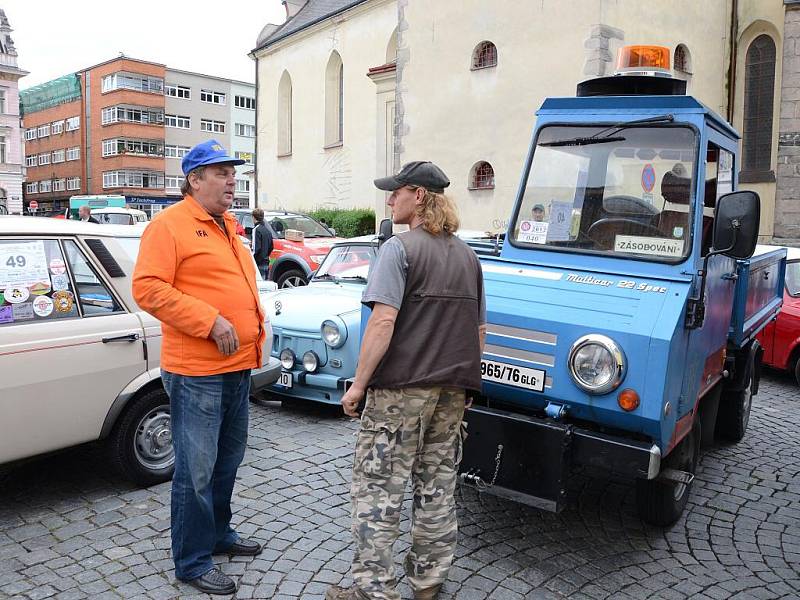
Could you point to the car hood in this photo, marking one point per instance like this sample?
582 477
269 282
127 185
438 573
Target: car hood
304 308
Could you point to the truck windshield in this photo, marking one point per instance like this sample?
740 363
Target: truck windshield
628 194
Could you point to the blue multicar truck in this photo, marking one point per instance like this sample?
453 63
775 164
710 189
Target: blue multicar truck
622 311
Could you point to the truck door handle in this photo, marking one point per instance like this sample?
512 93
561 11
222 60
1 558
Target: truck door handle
131 337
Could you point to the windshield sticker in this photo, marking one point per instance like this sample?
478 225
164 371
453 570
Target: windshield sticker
635 244
23 312
43 306
16 295
60 282
533 232
648 178
6 314
63 301
39 288
560 221
22 264
57 266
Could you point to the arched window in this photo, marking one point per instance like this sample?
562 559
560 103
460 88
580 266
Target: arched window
484 56
482 176
391 48
682 62
759 92
285 114
334 100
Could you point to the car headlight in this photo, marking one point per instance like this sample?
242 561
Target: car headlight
287 359
596 363
317 258
310 361
333 334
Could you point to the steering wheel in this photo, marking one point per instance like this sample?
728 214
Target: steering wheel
603 231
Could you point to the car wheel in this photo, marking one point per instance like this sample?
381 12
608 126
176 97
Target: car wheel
797 368
292 278
141 443
734 411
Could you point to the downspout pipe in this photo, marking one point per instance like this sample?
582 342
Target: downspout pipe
734 47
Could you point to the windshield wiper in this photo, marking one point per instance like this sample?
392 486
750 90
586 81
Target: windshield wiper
599 138
325 277
356 277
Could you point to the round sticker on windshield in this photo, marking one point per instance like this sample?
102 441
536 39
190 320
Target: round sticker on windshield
16 295
60 282
677 232
57 266
43 306
63 301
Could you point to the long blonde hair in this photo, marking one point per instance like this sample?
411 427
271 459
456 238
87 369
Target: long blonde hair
438 213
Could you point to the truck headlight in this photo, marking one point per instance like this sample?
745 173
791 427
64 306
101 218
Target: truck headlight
287 358
310 361
596 363
334 334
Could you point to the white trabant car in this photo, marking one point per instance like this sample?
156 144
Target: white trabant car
119 216
79 360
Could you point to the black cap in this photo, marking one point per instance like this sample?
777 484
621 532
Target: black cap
421 173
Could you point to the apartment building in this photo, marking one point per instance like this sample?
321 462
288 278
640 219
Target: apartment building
126 126
10 139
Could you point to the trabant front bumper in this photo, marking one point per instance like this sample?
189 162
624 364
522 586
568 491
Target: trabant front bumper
529 459
319 387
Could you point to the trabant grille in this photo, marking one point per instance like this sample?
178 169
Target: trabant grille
299 344
542 357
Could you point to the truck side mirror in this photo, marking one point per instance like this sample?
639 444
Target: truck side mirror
384 231
736 223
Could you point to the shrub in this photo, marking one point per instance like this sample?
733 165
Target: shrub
347 222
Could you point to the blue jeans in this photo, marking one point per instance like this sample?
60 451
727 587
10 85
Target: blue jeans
209 434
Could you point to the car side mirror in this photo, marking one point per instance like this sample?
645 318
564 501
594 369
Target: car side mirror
248 230
736 222
384 231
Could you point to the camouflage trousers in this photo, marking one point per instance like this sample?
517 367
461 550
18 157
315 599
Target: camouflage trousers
409 432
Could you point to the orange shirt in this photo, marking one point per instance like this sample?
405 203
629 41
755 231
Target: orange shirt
188 272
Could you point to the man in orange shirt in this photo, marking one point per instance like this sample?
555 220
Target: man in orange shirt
195 276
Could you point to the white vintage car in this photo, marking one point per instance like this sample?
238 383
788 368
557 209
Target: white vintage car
79 360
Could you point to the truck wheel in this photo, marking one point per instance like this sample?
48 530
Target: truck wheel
734 411
141 443
661 502
292 278
797 368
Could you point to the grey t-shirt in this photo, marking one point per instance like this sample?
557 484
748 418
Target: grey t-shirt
387 278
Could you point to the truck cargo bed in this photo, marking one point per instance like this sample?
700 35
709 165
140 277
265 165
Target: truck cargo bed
759 294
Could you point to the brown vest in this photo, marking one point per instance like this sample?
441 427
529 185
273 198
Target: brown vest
435 340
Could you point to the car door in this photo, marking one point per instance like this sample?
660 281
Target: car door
68 346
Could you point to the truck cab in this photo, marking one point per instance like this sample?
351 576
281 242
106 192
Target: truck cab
624 303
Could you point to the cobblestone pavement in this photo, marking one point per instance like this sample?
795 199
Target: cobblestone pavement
69 529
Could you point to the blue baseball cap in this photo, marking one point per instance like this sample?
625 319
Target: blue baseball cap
207 153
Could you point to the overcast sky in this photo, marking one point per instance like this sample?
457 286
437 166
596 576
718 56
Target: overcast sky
56 37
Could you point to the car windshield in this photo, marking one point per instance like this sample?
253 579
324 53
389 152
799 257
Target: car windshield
624 194
347 263
114 218
793 278
309 227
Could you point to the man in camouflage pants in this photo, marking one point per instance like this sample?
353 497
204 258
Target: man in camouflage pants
419 355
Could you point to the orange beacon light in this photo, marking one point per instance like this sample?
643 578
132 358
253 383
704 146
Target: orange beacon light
643 58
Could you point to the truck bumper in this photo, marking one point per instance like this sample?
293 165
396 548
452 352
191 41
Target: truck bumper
528 459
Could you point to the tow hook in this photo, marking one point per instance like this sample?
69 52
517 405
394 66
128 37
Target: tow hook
677 476
555 411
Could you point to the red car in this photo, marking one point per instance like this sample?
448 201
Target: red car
781 338
291 261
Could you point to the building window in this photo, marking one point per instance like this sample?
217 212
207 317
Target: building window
30 160
133 179
242 185
44 158
132 114
482 176
58 156
212 97
176 151
484 56
178 91
284 115
59 185
32 188
3 149
30 134
334 88
173 182
2 101
117 146
244 102
74 153
58 127
73 183
248 157
759 92
177 121
133 81
244 130
73 123
45 186
682 62
212 126
43 131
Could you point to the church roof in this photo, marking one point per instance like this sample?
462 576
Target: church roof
312 13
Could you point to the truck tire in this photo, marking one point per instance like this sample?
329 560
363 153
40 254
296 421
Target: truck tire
796 367
292 278
140 446
734 410
662 502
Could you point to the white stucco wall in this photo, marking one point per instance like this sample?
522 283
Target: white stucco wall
312 175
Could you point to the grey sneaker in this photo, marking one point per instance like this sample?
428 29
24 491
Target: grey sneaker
336 592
